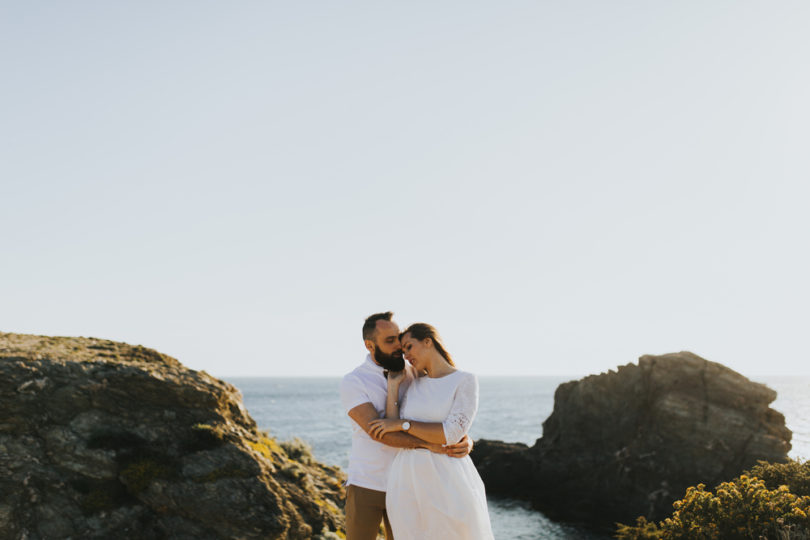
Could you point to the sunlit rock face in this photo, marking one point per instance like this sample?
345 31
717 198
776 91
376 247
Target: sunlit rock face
629 442
100 439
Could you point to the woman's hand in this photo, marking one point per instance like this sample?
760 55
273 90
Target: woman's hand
460 449
378 428
395 377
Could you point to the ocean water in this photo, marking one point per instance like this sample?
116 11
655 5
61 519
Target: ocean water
511 409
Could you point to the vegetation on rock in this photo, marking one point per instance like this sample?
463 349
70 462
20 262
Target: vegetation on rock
629 442
101 439
771 501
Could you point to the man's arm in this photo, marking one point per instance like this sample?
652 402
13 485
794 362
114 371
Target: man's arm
365 413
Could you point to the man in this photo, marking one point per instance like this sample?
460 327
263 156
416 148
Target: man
363 393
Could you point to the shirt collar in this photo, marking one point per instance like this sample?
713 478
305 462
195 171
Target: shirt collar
379 369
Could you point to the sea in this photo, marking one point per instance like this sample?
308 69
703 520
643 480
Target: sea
511 409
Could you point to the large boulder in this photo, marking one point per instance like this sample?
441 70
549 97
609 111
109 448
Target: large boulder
628 443
100 439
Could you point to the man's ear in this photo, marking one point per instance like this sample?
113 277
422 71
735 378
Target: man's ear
369 345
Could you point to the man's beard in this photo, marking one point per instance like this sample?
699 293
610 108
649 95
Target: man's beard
391 362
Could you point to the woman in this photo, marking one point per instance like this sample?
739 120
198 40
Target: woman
430 495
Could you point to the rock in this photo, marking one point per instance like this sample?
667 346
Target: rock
628 443
100 439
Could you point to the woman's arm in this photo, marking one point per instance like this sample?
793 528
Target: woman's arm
432 432
365 413
454 427
392 398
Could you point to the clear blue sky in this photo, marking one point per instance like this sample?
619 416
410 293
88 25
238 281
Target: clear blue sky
559 187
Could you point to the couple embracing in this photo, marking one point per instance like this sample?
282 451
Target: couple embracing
409 465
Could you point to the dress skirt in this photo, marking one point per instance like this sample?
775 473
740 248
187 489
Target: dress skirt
434 496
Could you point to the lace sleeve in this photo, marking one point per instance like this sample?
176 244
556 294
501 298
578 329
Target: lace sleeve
462 412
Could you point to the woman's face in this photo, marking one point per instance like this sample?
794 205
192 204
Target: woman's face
415 351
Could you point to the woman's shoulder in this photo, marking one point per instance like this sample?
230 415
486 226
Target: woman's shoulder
465 376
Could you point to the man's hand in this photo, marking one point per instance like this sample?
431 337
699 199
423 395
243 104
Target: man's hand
460 449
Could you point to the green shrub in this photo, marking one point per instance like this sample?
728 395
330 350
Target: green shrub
298 450
793 474
293 471
744 509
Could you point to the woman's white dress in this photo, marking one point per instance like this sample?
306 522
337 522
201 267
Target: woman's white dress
434 496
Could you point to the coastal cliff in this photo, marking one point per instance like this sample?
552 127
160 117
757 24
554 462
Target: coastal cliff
100 439
628 443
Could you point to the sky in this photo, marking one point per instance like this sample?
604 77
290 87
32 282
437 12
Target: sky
558 187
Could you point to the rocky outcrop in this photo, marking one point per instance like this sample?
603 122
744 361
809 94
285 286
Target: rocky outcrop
629 442
100 439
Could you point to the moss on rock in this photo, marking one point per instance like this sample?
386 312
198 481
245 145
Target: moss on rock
108 440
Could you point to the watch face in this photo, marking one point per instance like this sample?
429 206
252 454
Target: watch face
406 426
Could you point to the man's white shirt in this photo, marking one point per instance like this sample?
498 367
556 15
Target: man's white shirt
369 459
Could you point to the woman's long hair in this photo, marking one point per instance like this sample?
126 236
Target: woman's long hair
420 331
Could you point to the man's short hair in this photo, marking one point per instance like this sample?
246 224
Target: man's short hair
370 326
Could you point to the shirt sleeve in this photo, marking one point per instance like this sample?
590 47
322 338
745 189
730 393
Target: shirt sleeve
353 392
463 409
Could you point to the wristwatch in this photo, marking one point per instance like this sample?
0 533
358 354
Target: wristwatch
406 425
